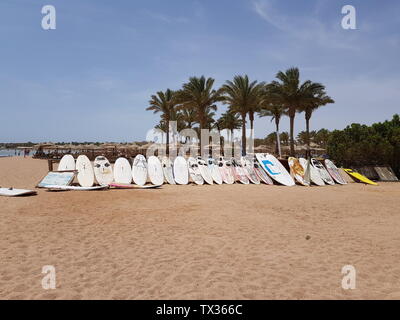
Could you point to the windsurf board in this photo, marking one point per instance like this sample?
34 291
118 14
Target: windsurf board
75 188
297 171
239 172
334 172
194 171
57 178
168 170
248 168
122 171
103 171
205 172
139 170
346 177
360 177
67 163
227 169
315 177
11 192
214 171
181 172
386 174
132 186
155 171
322 171
85 174
275 169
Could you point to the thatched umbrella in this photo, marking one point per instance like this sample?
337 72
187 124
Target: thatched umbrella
108 145
133 146
44 146
24 148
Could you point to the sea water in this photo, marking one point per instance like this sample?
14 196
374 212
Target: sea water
11 153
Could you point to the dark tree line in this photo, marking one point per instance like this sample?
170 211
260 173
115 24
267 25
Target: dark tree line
358 145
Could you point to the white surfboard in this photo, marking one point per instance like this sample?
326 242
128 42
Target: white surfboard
11 192
57 178
322 171
75 188
139 170
85 171
334 172
122 171
222 170
155 171
205 172
181 172
194 171
213 168
248 168
115 185
67 163
314 173
229 171
264 177
103 171
168 170
275 169
240 174
297 171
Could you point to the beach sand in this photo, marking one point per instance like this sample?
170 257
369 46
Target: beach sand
198 242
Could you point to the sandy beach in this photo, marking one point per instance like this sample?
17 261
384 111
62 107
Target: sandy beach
198 242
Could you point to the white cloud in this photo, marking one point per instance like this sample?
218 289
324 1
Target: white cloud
305 28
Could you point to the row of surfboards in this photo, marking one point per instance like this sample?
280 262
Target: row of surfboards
260 168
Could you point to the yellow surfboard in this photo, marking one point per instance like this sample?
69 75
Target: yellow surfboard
360 177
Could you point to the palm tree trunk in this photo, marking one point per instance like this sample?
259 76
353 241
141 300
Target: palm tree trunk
202 124
233 144
167 147
278 139
292 114
251 135
221 142
244 135
308 136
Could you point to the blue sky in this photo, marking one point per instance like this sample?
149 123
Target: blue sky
91 78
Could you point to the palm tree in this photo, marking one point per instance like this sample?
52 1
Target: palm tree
165 103
231 122
275 111
321 137
304 136
244 98
292 95
210 122
318 99
198 95
284 137
177 117
188 117
162 126
270 138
